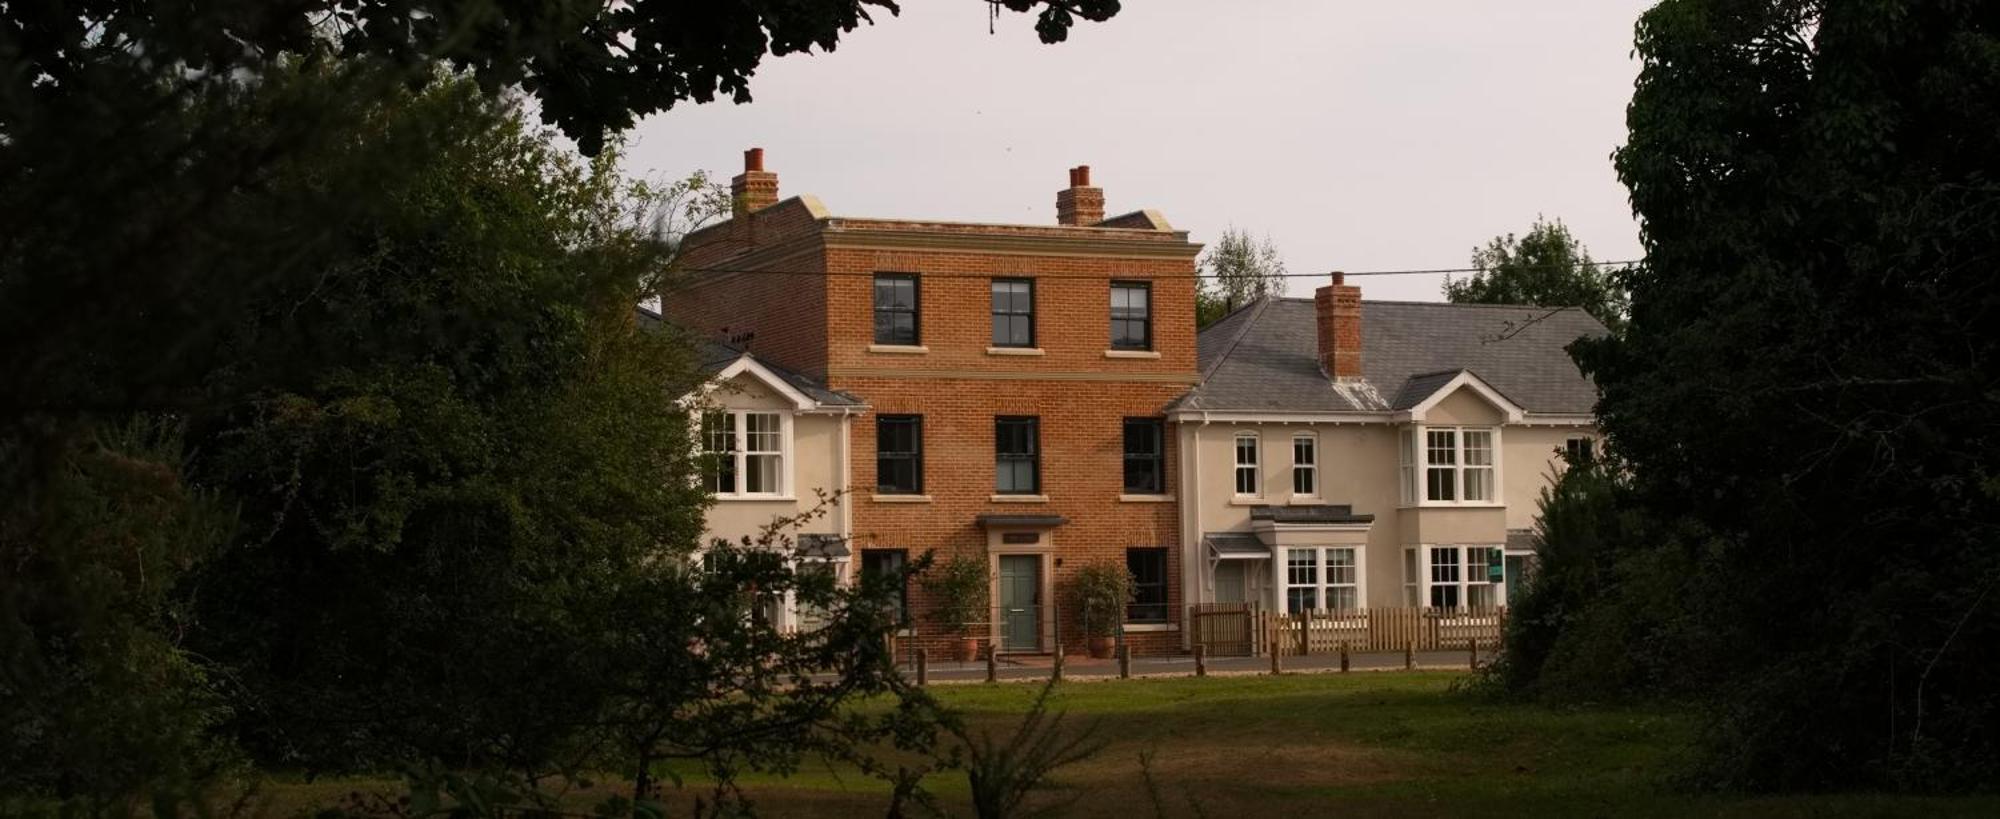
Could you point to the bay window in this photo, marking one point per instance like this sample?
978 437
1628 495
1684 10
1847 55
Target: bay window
1322 578
1457 577
1450 465
747 450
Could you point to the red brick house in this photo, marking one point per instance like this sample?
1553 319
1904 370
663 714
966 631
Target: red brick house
1014 383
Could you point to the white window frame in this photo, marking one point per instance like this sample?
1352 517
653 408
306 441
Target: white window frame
1308 467
1255 464
1322 582
1416 465
1462 580
739 438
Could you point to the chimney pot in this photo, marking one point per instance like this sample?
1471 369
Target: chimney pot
1079 204
753 159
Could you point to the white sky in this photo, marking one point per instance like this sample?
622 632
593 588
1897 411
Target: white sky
1358 134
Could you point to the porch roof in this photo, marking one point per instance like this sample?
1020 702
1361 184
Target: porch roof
823 547
1044 521
1235 545
1322 513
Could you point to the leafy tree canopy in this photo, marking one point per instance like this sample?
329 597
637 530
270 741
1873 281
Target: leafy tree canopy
1236 270
1548 267
594 67
1805 393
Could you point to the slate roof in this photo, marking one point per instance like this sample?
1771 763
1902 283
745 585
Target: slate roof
1309 514
1264 357
713 356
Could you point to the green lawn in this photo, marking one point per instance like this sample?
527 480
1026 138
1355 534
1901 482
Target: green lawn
1361 745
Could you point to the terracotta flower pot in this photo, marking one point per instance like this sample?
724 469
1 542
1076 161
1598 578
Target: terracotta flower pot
1101 648
967 649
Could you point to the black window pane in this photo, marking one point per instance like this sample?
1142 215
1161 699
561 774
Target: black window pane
877 564
1149 585
1145 467
1013 313
896 309
899 456
1016 465
1131 316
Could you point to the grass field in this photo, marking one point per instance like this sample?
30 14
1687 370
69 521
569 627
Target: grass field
1361 745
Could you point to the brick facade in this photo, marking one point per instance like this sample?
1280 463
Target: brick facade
818 318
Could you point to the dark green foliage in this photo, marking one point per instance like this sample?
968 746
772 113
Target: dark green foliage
1546 267
595 67
1101 591
97 698
959 588
1805 393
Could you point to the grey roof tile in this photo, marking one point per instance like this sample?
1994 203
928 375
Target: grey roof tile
713 356
1265 357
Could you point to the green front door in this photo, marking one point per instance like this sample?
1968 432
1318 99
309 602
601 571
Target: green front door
1020 602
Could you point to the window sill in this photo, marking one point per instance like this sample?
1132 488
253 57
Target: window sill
901 498
1020 499
1248 500
1131 354
1015 351
774 498
1145 498
1141 628
899 349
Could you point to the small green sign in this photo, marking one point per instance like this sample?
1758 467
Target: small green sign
1496 573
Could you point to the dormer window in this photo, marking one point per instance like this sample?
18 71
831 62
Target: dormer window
1449 465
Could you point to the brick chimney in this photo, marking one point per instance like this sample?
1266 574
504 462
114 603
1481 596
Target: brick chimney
1338 308
1079 204
755 188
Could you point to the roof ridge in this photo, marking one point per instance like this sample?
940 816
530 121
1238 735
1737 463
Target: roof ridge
1453 304
1248 321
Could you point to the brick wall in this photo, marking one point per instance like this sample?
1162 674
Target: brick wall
778 309
821 321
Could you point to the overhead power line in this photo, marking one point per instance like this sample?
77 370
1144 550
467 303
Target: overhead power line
1432 271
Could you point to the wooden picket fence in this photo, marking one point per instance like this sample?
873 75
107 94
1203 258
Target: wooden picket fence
1241 629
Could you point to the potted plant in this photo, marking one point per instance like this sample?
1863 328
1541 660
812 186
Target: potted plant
1102 590
957 588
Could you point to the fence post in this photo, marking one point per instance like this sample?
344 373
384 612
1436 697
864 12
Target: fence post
992 663
1056 667
1410 655
923 666
1473 647
1277 666
1305 633
1343 656
1124 661
1200 660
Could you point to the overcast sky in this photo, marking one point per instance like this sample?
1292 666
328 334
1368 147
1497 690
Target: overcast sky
1358 135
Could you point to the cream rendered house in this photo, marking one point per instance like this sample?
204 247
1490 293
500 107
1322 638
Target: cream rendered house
781 443
1343 454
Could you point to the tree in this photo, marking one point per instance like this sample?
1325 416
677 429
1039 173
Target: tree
593 67
1546 267
1236 271
1805 387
